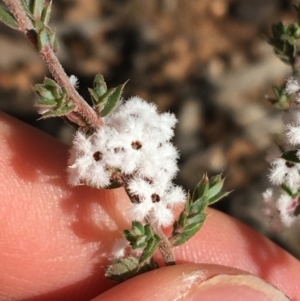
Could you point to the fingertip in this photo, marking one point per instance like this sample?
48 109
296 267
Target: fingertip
194 282
54 238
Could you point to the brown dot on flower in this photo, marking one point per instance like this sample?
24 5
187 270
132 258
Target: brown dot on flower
97 156
289 164
155 198
118 149
148 180
136 144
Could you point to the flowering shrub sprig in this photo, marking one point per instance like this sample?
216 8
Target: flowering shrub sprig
282 205
118 144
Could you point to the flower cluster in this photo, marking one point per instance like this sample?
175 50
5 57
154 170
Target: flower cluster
285 169
132 149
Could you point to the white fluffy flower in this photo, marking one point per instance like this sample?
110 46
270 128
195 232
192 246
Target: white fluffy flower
135 142
139 114
293 134
270 210
85 163
119 248
284 172
286 206
292 85
155 200
280 210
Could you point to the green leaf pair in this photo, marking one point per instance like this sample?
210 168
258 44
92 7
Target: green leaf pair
39 13
122 269
193 216
8 18
283 41
282 100
139 236
38 10
142 236
104 100
53 99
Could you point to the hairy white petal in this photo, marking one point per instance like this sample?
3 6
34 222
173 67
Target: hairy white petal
162 215
74 81
278 171
293 134
140 211
176 196
283 205
270 210
292 85
119 248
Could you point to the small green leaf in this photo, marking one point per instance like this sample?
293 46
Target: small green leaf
94 97
29 4
182 219
126 268
198 218
201 188
218 197
104 100
37 8
282 48
193 216
282 100
142 236
288 190
44 39
52 95
60 112
112 100
139 235
45 17
44 93
215 186
199 205
7 18
187 233
150 249
54 42
138 228
99 85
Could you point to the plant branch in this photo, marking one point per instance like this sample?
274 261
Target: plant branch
17 10
165 246
82 112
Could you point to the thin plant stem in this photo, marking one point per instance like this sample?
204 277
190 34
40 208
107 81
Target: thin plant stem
82 113
165 246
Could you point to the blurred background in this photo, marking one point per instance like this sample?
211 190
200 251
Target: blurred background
205 60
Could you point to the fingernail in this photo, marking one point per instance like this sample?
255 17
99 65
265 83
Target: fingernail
235 287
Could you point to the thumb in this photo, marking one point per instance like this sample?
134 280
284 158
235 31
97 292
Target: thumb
54 239
191 282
